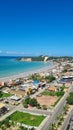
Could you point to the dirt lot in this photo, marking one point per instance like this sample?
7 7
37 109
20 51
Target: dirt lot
47 100
18 92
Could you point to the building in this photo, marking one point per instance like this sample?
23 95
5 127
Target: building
52 88
3 109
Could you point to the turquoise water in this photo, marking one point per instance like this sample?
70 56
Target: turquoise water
9 66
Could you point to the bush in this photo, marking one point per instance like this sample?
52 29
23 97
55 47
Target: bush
38 106
33 102
50 78
1 94
23 128
60 93
64 71
30 101
32 129
26 105
70 100
44 107
27 100
71 94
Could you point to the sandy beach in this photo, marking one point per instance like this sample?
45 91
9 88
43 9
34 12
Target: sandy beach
26 74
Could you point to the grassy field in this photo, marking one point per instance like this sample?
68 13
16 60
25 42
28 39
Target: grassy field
3 95
26 118
48 93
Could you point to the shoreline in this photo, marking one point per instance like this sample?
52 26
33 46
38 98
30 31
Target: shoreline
26 74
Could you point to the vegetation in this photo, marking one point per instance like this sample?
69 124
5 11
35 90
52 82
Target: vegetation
57 93
54 58
26 118
10 125
44 107
35 58
64 71
61 58
22 128
49 93
3 95
60 118
5 122
70 99
66 68
50 78
30 101
65 109
53 126
62 88
35 77
56 102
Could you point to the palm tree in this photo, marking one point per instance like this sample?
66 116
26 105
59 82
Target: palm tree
3 127
60 118
65 108
53 126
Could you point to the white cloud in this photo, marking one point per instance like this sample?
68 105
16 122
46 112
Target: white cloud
11 52
14 53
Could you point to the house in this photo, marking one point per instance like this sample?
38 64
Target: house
1 105
52 88
3 109
15 97
1 84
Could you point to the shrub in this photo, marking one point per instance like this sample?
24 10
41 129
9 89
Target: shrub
33 102
50 78
60 93
30 101
44 107
70 99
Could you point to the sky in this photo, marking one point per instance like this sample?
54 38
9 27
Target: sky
35 27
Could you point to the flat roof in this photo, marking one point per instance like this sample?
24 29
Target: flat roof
15 97
1 105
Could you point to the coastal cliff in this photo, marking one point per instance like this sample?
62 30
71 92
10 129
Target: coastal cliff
29 59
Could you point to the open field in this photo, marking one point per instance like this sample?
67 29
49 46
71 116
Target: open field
17 92
26 118
50 98
47 100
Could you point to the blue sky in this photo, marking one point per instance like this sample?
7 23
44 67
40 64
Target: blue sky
34 27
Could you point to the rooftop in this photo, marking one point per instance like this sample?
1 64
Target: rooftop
2 105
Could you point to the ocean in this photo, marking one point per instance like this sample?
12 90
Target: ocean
9 66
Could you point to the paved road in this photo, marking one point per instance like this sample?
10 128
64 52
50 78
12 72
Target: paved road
67 125
36 111
71 126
